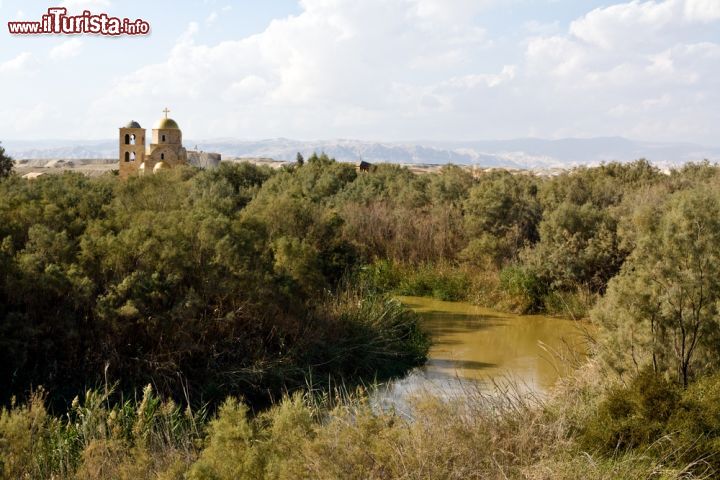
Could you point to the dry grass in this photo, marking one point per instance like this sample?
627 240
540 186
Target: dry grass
505 434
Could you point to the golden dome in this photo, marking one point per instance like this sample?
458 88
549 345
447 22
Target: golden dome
167 124
160 166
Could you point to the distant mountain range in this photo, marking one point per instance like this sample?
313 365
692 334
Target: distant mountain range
518 153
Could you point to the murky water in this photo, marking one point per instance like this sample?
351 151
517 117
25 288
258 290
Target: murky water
479 347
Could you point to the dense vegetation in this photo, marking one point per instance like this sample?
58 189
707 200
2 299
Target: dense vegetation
6 163
229 287
204 284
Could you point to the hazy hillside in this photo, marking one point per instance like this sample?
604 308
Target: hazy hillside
524 153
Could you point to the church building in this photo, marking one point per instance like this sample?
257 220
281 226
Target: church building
164 152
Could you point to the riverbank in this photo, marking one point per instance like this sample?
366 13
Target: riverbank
510 289
498 430
334 437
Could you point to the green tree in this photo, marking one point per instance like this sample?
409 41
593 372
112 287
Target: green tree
201 282
6 163
662 310
602 186
501 217
578 247
451 185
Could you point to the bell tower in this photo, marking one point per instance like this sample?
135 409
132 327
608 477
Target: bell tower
132 149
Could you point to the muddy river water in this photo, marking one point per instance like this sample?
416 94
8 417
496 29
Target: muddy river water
480 348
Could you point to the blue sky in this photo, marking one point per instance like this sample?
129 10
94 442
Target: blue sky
388 70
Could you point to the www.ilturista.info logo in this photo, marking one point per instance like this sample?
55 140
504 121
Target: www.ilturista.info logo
57 21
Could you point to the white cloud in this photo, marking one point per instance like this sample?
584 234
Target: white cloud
449 11
17 64
340 57
702 10
21 119
610 27
639 42
187 37
212 18
80 5
67 49
489 80
534 27
393 69
556 55
246 88
635 62
637 24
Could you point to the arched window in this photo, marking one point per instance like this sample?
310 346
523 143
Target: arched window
127 139
163 138
132 139
127 156
162 156
132 157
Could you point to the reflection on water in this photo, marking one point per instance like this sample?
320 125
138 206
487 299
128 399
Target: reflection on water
477 346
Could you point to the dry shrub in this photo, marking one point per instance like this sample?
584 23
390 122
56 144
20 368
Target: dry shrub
504 434
21 431
416 235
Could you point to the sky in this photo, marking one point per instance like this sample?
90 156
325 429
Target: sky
382 70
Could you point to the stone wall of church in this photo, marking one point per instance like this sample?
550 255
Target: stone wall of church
171 136
205 160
